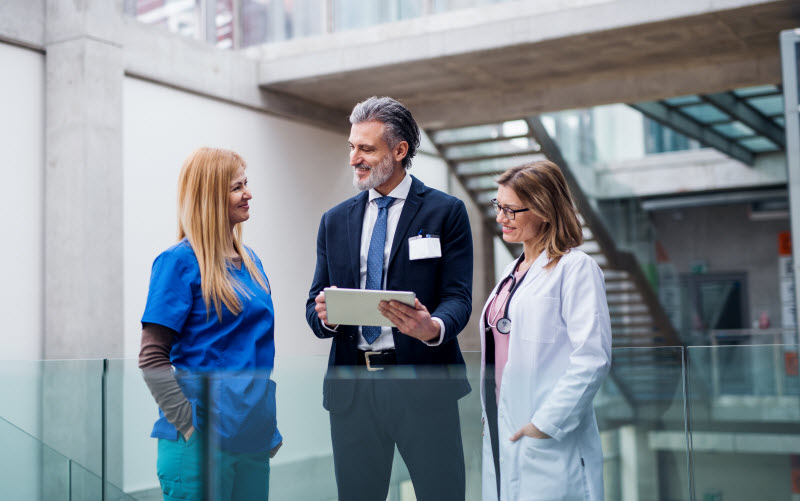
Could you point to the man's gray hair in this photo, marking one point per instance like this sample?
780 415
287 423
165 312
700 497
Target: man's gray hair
398 122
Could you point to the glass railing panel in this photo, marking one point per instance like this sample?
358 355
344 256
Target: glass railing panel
641 415
29 469
640 411
22 459
745 420
131 411
58 402
303 468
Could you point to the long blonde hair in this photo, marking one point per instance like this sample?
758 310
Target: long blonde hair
541 187
203 190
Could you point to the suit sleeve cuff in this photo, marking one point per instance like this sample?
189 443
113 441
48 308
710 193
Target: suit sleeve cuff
438 340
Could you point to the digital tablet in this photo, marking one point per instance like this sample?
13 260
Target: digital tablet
360 306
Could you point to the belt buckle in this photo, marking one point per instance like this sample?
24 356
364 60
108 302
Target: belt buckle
370 368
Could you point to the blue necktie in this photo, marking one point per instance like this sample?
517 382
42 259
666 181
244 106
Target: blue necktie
375 259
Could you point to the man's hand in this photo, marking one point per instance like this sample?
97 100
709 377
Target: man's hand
529 430
322 309
415 322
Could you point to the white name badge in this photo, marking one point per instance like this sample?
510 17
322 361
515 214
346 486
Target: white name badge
424 247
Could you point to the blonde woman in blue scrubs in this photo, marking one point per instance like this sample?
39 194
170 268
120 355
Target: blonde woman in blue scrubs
209 315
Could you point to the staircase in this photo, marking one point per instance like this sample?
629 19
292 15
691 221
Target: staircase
649 373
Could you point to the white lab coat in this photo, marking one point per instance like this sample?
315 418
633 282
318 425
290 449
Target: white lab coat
559 354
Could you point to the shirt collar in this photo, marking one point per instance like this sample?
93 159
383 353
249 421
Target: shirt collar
400 192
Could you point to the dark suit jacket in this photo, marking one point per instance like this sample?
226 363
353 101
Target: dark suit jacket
443 285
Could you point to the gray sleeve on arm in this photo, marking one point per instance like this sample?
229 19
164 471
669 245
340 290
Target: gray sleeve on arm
157 371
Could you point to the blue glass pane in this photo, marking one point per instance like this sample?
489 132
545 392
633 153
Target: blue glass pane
752 91
681 100
780 121
705 113
734 130
759 144
352 14
768 105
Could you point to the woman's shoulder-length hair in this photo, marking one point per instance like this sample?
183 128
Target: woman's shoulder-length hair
542 188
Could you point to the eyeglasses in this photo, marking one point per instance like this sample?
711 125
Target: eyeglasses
508 211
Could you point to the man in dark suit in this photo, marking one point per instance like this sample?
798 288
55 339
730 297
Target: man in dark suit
397 234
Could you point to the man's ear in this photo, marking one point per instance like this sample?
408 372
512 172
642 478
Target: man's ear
400 151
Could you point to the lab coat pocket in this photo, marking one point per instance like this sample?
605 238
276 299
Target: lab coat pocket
540 319
550 469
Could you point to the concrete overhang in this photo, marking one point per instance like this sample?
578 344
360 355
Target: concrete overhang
520 58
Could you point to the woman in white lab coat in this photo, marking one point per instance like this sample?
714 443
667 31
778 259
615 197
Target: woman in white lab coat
546 349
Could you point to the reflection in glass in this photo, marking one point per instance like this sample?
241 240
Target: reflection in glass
745 410
223 20
265 21
353 14
177 16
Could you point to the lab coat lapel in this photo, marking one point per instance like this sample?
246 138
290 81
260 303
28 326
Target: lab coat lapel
410 209
354 225
536 269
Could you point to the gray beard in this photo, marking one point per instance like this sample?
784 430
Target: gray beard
377 176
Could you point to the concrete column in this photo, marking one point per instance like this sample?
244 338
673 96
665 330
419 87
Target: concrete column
83 180
638 465
83 235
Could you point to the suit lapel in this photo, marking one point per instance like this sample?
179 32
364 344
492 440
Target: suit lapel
355 223
410 209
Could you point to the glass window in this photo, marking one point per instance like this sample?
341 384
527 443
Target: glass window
681 100
177 16
705 113
758 144
264 21
224 23
661 139
734 130
446 5
768 105
752 91
353 14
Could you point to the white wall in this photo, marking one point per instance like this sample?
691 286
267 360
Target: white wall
21 262
296 172
22 204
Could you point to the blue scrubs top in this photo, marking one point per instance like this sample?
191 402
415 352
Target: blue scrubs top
234 357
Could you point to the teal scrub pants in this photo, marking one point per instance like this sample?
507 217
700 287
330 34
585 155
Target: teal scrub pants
235 477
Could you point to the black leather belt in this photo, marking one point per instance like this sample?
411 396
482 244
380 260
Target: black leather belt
375 359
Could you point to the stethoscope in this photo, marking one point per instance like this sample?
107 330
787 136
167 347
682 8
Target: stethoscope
503 325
